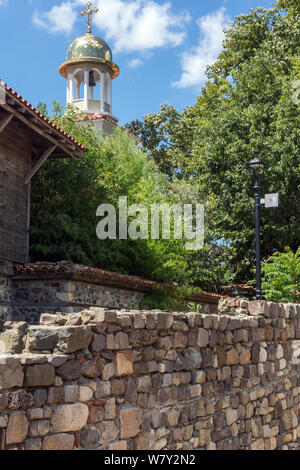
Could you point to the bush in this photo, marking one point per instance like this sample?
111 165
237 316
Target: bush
281 276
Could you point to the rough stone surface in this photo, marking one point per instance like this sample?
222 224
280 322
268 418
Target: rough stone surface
155 380
40 375
131 420
68 418
11 373
124 363
17 428
58 442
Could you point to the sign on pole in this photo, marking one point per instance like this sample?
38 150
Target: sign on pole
271 200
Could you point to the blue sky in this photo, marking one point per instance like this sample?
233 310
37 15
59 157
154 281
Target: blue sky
162 47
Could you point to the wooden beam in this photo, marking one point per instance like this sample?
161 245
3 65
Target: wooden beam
39 163
5 121
37 129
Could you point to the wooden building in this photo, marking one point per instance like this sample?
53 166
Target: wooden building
27 140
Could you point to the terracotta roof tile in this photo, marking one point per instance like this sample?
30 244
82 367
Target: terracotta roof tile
80 272
93 117
25 103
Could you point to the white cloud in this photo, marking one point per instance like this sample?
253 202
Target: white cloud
194 63
138 25
129 25
60 19
134 63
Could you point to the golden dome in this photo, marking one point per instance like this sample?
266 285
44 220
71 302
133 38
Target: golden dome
89 46
89 49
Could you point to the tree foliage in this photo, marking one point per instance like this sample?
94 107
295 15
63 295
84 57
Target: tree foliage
249 105
281 276
67 192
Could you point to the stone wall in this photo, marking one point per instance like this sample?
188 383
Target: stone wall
6 271
30 298
122 380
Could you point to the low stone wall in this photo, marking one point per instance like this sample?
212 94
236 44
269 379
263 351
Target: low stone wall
67 287
6 271
30 298
122 380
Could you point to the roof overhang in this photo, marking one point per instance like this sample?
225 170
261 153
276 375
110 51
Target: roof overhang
111 66
48 140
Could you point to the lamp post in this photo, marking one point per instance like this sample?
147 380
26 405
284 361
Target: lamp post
256 165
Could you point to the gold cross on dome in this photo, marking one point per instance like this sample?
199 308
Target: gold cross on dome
89 13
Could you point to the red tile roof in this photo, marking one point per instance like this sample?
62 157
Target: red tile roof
93 117
27 105
66 269
81 272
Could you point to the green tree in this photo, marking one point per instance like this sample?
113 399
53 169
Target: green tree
249 105
281 276
67 192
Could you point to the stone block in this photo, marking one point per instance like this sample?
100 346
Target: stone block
164 321
98 343
11 373
73 338
11 340
89 437
146 440
58 442
33 444
203 338
39 428
258 307
92 368
56 395
39 397
107 430
69 418
119 445
70 370
17 428
130 422
40 375
85 394
232 357
110 409
123 361
121 340
180 340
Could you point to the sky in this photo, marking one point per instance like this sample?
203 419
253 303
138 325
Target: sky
161 46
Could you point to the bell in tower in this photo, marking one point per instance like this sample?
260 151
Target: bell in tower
92 82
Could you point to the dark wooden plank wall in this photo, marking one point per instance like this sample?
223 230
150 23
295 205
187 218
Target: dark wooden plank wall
15 155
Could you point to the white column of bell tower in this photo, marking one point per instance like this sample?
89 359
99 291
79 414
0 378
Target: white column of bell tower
103 91
71 88
86 89
109 91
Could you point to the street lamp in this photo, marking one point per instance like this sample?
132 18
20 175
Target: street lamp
256 165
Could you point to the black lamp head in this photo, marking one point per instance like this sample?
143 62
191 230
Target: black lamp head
256 164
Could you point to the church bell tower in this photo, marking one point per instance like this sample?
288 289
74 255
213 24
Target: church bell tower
90 70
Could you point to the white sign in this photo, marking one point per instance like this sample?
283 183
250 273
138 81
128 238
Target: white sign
271 200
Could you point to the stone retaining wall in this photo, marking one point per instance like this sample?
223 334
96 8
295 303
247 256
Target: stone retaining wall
122 380
33 297
5 296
